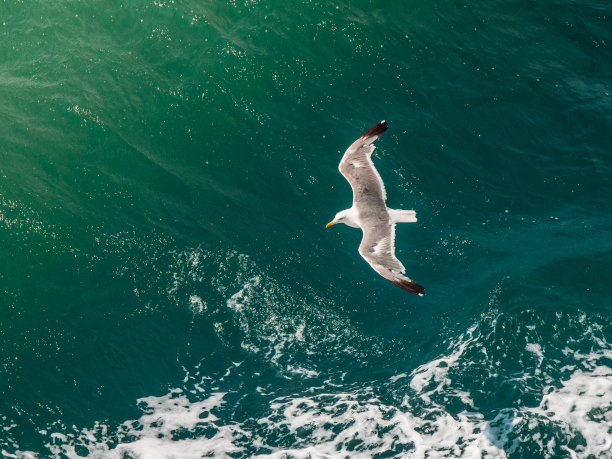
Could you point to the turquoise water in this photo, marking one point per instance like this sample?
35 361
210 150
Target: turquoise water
168 288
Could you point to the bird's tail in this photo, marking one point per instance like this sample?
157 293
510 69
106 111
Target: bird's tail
402 216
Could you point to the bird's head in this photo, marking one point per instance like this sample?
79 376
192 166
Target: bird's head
339 218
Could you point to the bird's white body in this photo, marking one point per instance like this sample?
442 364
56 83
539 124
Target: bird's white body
350 216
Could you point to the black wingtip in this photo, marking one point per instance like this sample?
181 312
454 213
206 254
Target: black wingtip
410 286
376 130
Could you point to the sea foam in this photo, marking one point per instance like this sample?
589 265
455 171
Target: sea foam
419 420
437 409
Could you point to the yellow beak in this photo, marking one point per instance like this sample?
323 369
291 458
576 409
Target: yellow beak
330 224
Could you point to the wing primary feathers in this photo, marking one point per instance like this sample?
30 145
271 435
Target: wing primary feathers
376 130
409 286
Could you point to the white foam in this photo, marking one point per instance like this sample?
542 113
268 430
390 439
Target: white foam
427 412
583 404
153 434
360 425
357 423
198 306
536 349
431 378
20 454
397 377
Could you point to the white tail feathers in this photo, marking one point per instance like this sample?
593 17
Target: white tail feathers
402 216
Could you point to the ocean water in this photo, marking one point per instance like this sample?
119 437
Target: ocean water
167 285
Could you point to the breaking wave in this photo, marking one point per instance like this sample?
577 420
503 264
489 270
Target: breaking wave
498 389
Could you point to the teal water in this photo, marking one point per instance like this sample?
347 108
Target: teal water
167 285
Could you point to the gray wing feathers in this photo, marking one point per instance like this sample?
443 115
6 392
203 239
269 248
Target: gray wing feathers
357 167
380 255
378 247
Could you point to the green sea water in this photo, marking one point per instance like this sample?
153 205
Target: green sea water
167 284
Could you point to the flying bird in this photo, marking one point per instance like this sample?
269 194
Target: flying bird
370 213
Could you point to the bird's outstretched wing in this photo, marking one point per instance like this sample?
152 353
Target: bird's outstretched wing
357 167
378 249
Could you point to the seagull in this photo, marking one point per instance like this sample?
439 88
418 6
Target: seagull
370 213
